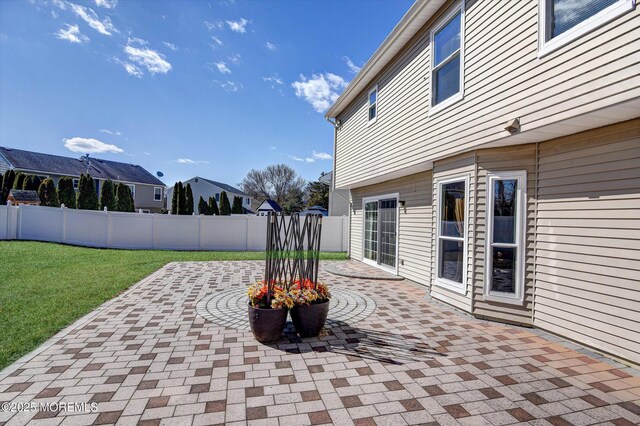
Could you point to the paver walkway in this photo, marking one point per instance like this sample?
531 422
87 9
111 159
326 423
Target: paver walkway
147 357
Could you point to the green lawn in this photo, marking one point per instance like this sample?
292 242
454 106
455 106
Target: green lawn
45 287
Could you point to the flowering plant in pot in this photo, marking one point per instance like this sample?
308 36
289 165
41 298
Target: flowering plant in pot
311 306
269 304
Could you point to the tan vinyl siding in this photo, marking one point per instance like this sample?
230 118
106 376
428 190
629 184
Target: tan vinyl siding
509 159
502 81
588 238
415 227
458 166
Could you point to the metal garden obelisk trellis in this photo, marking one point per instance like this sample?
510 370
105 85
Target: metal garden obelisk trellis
293 249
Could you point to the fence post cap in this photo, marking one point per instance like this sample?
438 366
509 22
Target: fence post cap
62 206
105 209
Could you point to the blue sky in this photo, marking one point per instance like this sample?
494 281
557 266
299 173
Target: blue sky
209 88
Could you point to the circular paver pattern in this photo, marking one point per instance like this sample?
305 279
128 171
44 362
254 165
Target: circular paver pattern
228 308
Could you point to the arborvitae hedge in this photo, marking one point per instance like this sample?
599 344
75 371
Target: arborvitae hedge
7 185
19 180
48 193
108 196
34 185
182 199
174 199
203 208
66 193
237 205
225 207
213 207
189 200
87 196
124 198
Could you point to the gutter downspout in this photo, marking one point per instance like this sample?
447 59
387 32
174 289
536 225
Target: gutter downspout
333 178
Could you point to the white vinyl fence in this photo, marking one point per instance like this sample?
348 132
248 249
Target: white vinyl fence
150 231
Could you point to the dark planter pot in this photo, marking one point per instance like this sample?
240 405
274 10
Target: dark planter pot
267 324
309 319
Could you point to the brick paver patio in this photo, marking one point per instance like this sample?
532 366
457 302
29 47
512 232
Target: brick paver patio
147 357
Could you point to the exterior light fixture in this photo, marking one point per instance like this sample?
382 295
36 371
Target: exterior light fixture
513 126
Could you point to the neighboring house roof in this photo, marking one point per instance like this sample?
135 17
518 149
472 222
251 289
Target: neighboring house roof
411 23
274 206
326 177
24 196
68 166
247 211
315 210
225 187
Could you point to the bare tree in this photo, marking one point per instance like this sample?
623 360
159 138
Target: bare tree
277 182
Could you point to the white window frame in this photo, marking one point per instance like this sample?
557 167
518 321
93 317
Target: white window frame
377 198
369 104
133 190
433 109
547 45
516 298
443 282
76 184
154 193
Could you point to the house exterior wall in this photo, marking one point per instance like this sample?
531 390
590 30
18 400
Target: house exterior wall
587 259
582 234
338 200
415 224
502 80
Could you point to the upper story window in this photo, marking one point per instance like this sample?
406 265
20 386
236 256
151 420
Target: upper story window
157 193
447 59
75 184
217 196
373 104
565 20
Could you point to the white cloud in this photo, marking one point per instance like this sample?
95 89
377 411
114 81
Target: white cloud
91 18
238 26
271 46
272 147
147 153
235 58
274 79
229 86
190 161
90 146
217 41
222 67
321 155
130 68
109 132
107 4
316 156
217 25
139 54
321 90
60 4
170 45
72 34
352 67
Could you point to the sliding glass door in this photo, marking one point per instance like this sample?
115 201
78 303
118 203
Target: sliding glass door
380 230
